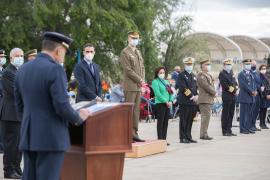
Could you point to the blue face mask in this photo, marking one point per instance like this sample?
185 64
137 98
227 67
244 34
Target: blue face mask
134 42
253 68
18 61
188 68
3 60
247 67
228 68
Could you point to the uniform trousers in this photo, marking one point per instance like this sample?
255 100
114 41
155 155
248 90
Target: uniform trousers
134 97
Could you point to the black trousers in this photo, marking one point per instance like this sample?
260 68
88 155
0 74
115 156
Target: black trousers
263 112
227 116
186 114
42 165
11 138
163 113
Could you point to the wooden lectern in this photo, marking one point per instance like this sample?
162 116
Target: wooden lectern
98 147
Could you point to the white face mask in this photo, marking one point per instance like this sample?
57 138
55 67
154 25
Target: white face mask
263 71
247 67
208 68
89 57
161 76
134 42
18 61
228 68
188 68
3 61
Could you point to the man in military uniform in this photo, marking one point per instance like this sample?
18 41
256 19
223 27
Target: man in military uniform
257 103
31 54
206 97
133 76
42 103
187 99
246 98
229 91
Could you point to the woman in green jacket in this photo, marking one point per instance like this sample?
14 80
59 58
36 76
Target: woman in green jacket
163 100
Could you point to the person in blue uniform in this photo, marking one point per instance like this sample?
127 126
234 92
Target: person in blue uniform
246 98
264 95
187 100
229 91
42 103
256 105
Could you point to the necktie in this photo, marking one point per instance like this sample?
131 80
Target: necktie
92 68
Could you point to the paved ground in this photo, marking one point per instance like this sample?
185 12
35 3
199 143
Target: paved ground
245 157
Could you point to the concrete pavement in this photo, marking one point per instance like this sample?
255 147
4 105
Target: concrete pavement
245 157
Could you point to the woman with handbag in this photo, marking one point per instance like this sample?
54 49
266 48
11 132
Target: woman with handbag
163 100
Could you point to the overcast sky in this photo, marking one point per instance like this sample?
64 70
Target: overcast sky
230 17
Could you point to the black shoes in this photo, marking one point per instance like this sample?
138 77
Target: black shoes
206 138
137 139
251 132
229 134
186 141
13 175
264 127
192 141
244 132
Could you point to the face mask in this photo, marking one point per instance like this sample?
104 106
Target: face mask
18 61
189 69
228 68
209 68
134 42
247 67
161 76
3 61
173 84
253 68
263 71
89 57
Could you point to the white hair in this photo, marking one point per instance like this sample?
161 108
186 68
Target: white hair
12 52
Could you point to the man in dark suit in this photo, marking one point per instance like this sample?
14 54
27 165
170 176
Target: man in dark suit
87 74
229 91
10 123
187 100
43 104
3 61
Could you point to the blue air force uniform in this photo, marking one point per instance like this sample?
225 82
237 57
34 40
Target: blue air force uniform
246 98
43 104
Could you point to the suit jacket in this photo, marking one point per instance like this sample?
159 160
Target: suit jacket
246 85
186 81
89 84
8 111
206 88
1 88
43 104
133 69
226 80
264 103
160 91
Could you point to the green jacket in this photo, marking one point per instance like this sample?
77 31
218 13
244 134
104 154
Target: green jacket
160 91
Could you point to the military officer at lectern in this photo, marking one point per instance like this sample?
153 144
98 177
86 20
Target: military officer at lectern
43 104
